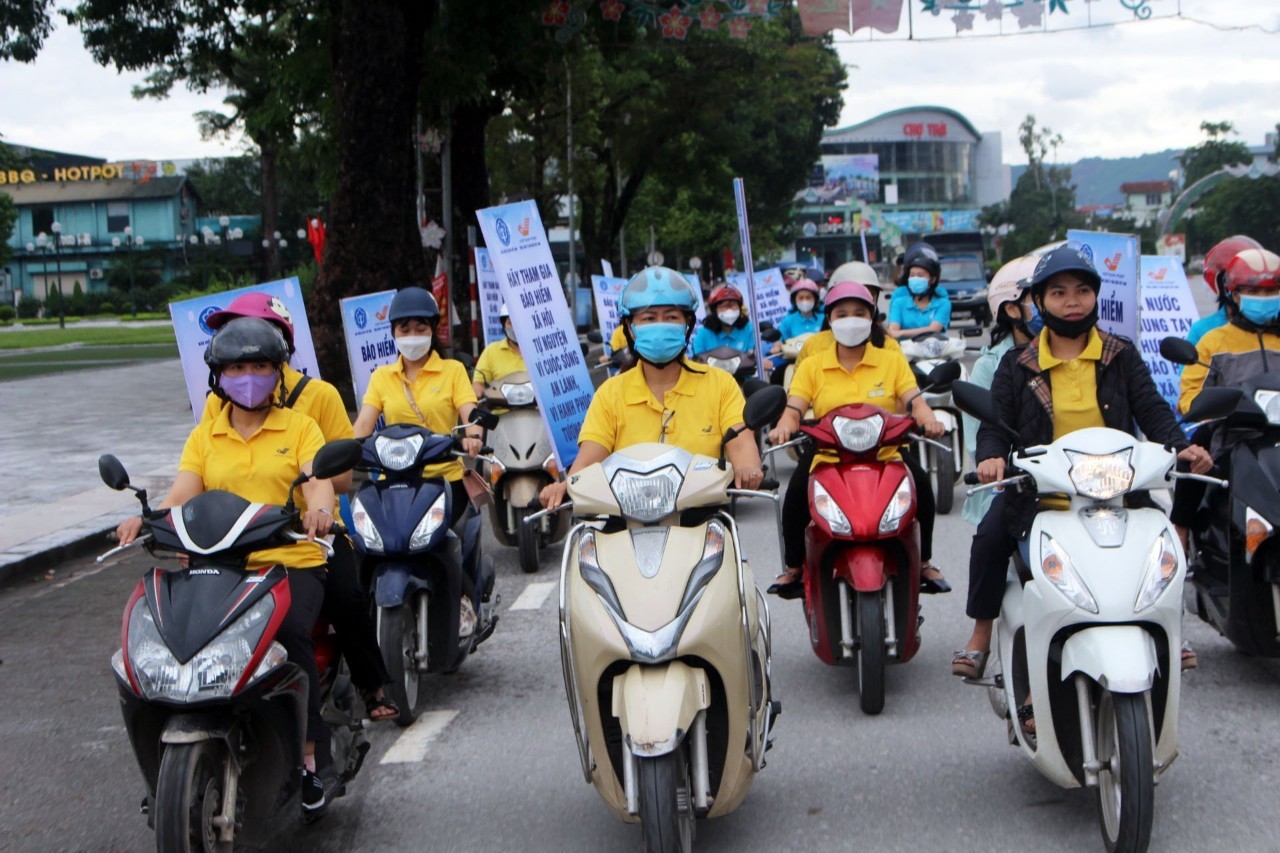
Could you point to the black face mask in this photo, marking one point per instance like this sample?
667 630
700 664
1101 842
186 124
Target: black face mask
1070 328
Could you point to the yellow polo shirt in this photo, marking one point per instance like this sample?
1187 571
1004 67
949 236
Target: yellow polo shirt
439 390
260 469
826 339
618 340
498 360
1074 384
319 401
694 415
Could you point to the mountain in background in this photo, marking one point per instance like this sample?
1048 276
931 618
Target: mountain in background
1098 180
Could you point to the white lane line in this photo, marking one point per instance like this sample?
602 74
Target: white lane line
534 595
412 745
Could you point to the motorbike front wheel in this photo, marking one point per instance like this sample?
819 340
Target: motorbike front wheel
189 795
666 802
1126 783
528 538
871 652
397 638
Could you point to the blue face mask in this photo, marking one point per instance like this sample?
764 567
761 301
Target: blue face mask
659 343
1036 322
918 286
1260 310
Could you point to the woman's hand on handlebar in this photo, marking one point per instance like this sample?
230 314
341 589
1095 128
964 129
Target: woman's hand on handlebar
990 470
930 425
786 428
317 523
128 530
1200 460
471 445
553 495
748 477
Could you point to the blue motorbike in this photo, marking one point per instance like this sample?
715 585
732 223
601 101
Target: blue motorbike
419 566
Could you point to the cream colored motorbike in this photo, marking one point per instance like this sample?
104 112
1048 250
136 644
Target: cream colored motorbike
664 637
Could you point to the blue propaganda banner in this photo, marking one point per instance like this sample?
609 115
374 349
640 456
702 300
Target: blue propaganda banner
544 328
193 334
368 336
1116 258
605 291
490 295
1168 309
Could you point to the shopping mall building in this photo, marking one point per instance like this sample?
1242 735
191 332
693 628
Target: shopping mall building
905 172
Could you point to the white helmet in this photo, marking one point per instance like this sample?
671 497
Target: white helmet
1009 282
503 313
857 272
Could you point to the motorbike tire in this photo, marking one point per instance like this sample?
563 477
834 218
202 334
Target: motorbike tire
942 473
188 796
1126 800
666 802
871 652
396 640
528 542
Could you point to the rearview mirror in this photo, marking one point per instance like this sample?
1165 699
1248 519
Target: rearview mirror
1179 351
764 406
112 472
977 401
769 335
943 374
1211 403
482 416
595 337
336 457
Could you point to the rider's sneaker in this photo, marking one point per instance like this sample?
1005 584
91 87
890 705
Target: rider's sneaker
312 792
466 619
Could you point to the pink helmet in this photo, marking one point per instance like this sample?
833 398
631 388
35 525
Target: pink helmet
848 290
804 285
255 304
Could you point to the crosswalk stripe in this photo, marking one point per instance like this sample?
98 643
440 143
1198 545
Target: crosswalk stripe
412 745
533 596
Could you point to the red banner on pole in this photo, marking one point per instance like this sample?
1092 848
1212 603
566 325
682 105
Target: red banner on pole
440 289
315 236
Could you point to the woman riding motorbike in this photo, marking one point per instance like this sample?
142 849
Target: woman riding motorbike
668 399
1215 266
865 275
1070 377
804 318
922 308
856 369
500 358
726 324
256 448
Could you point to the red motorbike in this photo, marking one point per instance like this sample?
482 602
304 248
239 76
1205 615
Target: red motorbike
862 546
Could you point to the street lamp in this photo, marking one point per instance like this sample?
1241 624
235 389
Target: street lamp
56 228
130 241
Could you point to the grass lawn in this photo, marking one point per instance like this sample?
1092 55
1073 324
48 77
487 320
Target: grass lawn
103 336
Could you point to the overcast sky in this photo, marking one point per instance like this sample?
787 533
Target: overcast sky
1110 91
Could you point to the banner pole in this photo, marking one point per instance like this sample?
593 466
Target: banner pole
744 234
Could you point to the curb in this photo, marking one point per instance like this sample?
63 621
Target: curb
28 566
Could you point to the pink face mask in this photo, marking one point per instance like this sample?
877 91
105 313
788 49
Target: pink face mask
249 390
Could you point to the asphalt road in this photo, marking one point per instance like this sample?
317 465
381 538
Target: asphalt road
932 773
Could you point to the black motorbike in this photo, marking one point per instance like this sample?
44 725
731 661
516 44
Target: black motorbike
215 711
1236 559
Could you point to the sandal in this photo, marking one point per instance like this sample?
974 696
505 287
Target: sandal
1189 658
933 586
372 705
1027 720
788 585
969 664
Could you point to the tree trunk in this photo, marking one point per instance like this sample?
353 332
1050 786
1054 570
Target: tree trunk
373 242
470 193
269 153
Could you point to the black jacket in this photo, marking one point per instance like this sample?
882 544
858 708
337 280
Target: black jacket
1127 397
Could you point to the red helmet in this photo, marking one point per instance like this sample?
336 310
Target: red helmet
255 304
1252 268
724 293
1217 258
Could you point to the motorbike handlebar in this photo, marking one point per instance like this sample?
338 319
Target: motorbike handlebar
302 537
971 478
119 548
768 485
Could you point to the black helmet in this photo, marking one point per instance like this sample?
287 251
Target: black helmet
1065 258
246 339
921 255
413 302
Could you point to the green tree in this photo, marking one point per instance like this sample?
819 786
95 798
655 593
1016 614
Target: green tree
24 25
8 210
1041 207
1239 206
1216 151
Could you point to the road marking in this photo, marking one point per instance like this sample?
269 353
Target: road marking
534 596
412 745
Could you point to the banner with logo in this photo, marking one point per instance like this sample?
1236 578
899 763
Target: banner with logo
1168 308
544 328
193 334
1116 258
605 291
772 300
490 293
368 335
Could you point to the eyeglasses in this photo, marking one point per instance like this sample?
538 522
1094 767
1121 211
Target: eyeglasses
667 415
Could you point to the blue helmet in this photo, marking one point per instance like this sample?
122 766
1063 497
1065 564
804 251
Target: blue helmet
413 302
1065 258
654 286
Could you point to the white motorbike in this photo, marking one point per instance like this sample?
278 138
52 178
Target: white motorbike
1091 623
945 467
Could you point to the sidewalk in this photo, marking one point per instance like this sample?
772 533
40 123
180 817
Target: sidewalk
52 431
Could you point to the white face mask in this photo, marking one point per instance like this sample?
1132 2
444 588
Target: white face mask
805 306
414 347
851 331
729 317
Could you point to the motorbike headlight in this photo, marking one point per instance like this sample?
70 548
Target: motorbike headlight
1101 476
729 365
897 508
397 454
708 565
858 434
1056 566
365 528
826 507
649 496
1269 402
429 524
212 673
518 394
1162 567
